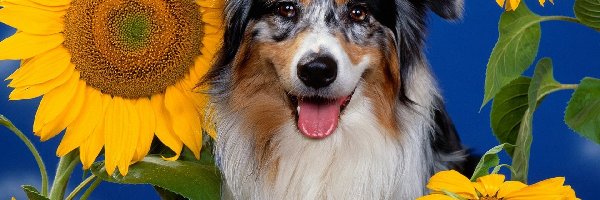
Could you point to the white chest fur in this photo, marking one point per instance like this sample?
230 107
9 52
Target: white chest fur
361 160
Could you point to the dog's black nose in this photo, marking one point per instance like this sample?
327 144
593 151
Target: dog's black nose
318 72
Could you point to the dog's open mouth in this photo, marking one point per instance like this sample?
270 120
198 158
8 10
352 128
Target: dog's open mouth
318 117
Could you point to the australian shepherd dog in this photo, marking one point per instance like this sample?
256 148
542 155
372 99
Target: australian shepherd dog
329 99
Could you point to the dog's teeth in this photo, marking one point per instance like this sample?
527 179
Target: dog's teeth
298 109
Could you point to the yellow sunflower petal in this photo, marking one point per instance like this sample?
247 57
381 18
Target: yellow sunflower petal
28 3
500 3
452 181
211 29
129 136
213 18
187 125
52 2
512 5
26 66
202 102
91 115
22 63
42 68
113 126
210 41
509 187
32 20
436 197
54 102
547 189
569 193
33 91
90 149
201 67
147 128
551 182
489 185
67 115
164 128
25 45
210 3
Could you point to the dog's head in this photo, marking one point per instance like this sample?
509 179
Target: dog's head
303 60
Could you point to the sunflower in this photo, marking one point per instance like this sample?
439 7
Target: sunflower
512 5
114 73
451 185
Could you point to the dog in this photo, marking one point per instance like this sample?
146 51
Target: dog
329 99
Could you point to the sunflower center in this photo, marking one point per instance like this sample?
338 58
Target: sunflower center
134 31
133 48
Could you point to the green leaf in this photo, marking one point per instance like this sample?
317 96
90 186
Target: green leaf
189 179
583 111
32 193
588 12
499 167
166 194
542 83
522 149
508 109
488 160
515 50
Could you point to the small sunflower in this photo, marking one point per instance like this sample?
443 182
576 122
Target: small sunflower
511 5
493 187
114 73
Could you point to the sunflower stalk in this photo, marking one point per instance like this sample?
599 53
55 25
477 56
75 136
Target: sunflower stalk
38 159
65 168
80 187
90 189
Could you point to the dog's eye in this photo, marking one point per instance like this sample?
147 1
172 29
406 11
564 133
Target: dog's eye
287 10
358 13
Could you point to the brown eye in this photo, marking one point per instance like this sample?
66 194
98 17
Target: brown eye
358 13
287 10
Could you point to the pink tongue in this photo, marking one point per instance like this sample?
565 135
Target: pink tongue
318 120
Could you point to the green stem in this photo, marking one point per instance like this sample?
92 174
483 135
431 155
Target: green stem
38 159
569 86
65 167
561 18
80 187
90 189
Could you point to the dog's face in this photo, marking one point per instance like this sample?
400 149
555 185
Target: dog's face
301 62
321 52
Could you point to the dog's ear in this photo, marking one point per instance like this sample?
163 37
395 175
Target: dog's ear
448 9
236 17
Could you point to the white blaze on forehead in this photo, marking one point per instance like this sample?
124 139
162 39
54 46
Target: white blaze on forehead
324 43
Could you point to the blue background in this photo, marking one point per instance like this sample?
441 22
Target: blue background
458 52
